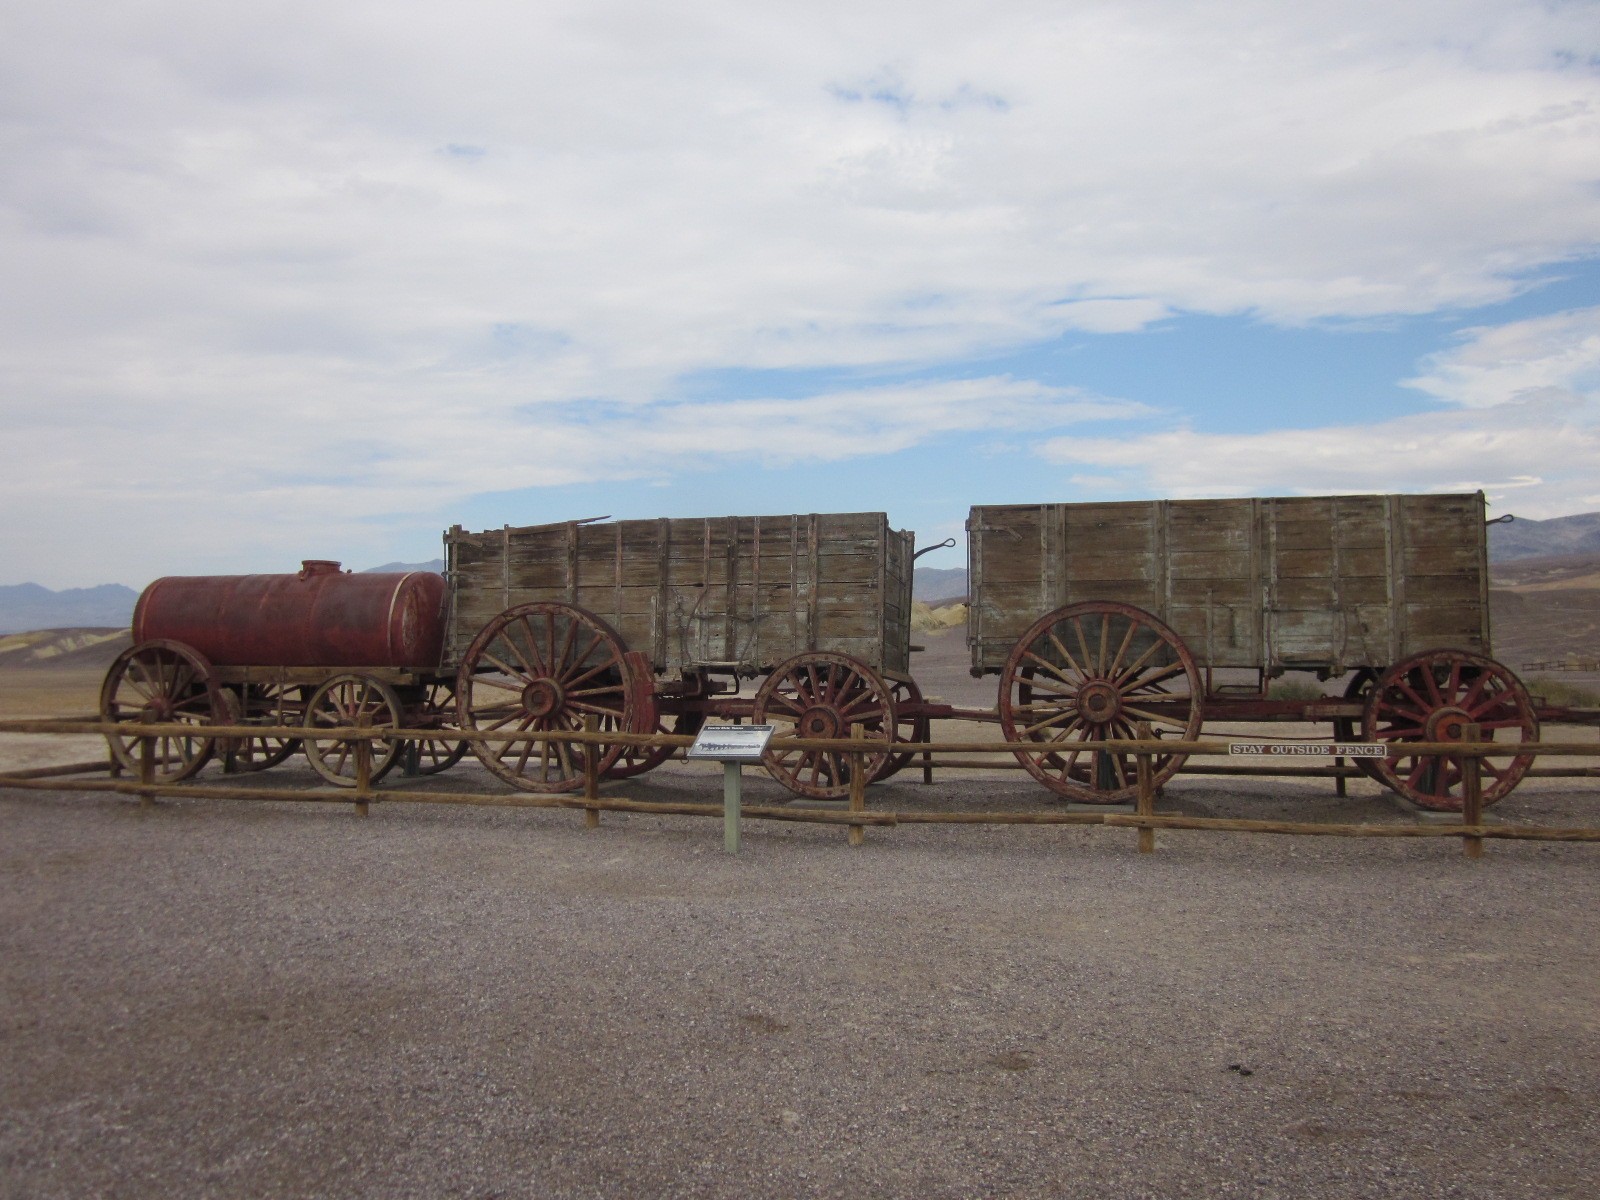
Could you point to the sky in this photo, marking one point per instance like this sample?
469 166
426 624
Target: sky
300 280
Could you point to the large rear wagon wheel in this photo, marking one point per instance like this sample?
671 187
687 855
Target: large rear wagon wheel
1432 697
545 666
1090 673
820 694
168 683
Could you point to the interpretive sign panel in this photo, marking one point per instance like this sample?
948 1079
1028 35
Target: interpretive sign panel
731 743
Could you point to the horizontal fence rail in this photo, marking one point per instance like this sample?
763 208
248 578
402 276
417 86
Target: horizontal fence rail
1470 827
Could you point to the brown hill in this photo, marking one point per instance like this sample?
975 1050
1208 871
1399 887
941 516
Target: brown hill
63 648
1549 572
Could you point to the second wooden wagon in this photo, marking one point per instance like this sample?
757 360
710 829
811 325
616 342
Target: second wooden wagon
653 625
1101 617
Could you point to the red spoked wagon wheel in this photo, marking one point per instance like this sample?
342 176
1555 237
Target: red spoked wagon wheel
345 701
431 706
636 760
1090 673
908 725
820 694
168 683
545 666
1432 697
266 704
1348 729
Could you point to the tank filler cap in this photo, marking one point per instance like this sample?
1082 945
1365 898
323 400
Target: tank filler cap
318 566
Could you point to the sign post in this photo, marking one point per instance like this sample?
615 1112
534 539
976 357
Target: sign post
732 746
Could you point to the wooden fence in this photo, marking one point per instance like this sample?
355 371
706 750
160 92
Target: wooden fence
1470 828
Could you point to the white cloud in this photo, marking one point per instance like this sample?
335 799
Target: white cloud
1530 458
384 247
1560 352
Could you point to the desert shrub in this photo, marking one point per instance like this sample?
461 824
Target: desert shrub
1561 692
1296 687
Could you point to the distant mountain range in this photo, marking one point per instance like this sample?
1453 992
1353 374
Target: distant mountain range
27 606
1578 534
396 568
932 584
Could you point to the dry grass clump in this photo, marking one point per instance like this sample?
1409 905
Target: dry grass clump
1296 687
1562 692
925 618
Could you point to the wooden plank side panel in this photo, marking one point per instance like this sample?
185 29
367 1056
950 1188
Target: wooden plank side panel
1008 539
1210 527
900 555
693 591
1442 625
1441 595
1219 634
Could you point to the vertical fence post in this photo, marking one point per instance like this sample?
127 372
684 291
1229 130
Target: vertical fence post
858 785
147 766
591 772
925 734
1471 793
1145 800
363 749
1338 783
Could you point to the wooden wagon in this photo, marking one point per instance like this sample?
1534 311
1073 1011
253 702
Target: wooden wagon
651 625
1101 617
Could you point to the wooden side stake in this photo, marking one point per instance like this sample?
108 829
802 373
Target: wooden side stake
1338 781
1472 794
591 772
858 785
1145 802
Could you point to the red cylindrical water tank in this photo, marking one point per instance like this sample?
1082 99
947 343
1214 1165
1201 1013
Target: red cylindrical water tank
321 617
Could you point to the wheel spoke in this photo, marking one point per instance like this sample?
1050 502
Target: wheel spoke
1146 682
1127 640
1431 678
1062 650
1138 665
1052 668
509 671
561 656
1484 681
1077 628
1145 714
1055 716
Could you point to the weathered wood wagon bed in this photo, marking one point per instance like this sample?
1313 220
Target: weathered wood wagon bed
1101 617
647 625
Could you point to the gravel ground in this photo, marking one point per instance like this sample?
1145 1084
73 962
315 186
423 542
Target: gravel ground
249 999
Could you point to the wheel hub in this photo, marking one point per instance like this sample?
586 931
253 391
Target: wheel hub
543 697
1446 725
1099 701
819 722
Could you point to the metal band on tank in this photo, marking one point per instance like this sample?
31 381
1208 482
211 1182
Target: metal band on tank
388 625
136 627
